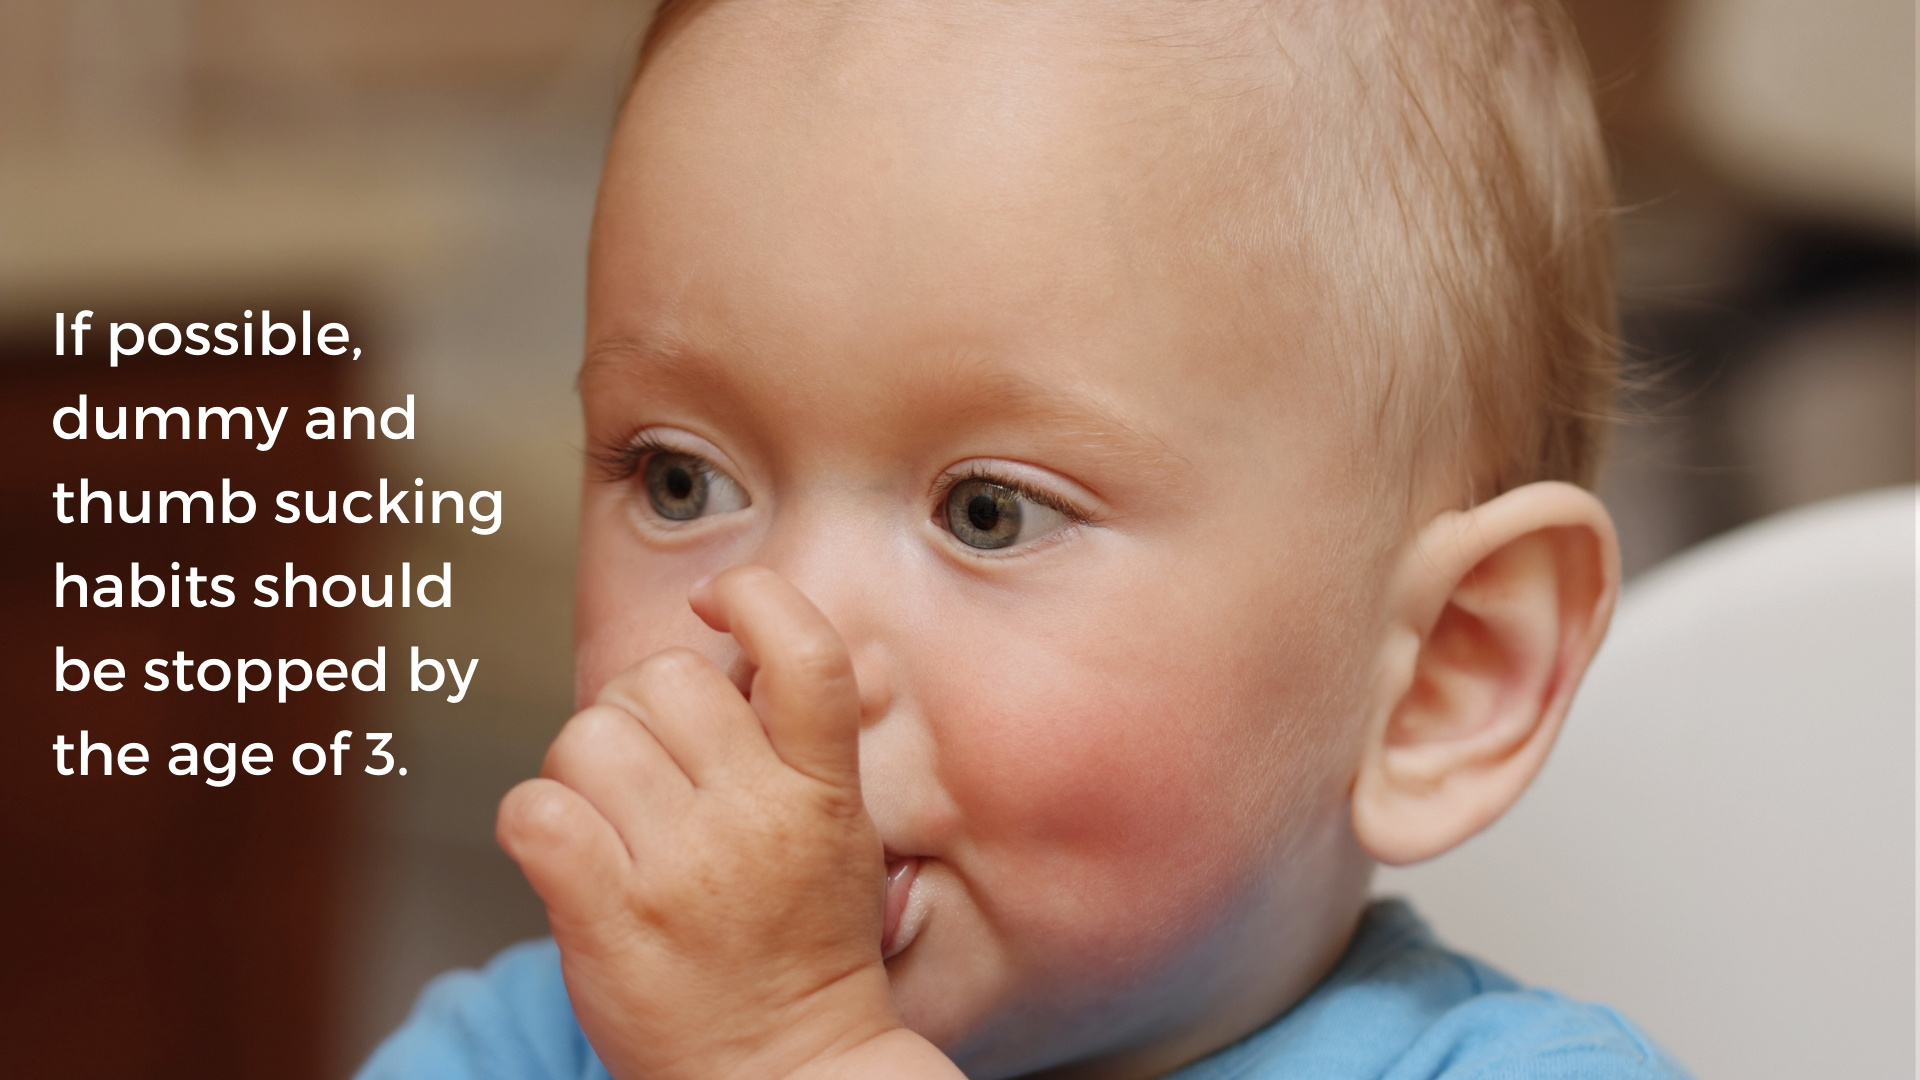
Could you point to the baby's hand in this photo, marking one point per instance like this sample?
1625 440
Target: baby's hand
708 866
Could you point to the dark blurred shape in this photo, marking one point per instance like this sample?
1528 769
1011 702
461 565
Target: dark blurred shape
1768 311
157 926
1790 383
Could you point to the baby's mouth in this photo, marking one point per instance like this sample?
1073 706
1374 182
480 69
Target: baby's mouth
903 917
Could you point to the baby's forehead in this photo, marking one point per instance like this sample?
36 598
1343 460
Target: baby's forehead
1157 87
830 34
1158 135
1017 180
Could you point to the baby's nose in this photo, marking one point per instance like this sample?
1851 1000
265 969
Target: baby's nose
868 667
818 543
875 677
848 587
870 672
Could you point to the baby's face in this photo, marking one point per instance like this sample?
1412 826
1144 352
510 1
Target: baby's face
918 319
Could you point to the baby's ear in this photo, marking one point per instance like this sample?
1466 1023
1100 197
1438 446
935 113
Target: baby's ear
1496 612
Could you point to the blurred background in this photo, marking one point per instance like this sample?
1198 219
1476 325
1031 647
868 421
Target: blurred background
424 171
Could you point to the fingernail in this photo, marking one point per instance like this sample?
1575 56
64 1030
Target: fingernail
702 582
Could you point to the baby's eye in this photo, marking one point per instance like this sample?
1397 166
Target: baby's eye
983 514
682 487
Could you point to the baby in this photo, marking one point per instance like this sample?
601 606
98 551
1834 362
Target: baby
1076 485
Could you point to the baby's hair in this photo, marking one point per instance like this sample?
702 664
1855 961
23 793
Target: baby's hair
1434 172
1475 238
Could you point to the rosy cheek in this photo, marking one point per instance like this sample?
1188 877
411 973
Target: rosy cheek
1103 806
1092 774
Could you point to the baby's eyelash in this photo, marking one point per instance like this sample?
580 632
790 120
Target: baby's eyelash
617 462
1048 499
620 461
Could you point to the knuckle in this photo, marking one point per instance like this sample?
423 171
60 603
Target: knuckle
843 806
748 574
582 741
819 659
675 666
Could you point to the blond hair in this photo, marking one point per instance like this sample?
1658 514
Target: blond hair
1469 228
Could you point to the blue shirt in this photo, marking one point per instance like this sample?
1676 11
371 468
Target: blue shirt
1397 1007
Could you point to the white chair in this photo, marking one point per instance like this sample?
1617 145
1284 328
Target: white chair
1722 845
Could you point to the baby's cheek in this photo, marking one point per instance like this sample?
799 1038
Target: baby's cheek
629 602
1091 778
1109 815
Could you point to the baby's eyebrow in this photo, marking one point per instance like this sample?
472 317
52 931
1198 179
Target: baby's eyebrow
959 387
667 360
1073 415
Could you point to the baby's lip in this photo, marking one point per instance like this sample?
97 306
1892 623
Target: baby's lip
902 871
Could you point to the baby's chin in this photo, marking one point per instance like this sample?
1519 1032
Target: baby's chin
930 936
965 990
949 974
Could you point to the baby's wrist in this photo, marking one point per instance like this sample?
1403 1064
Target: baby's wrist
847 1028
892 1053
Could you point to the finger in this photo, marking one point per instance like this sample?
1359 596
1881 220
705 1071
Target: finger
692 708
610 759
803 691
571 855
